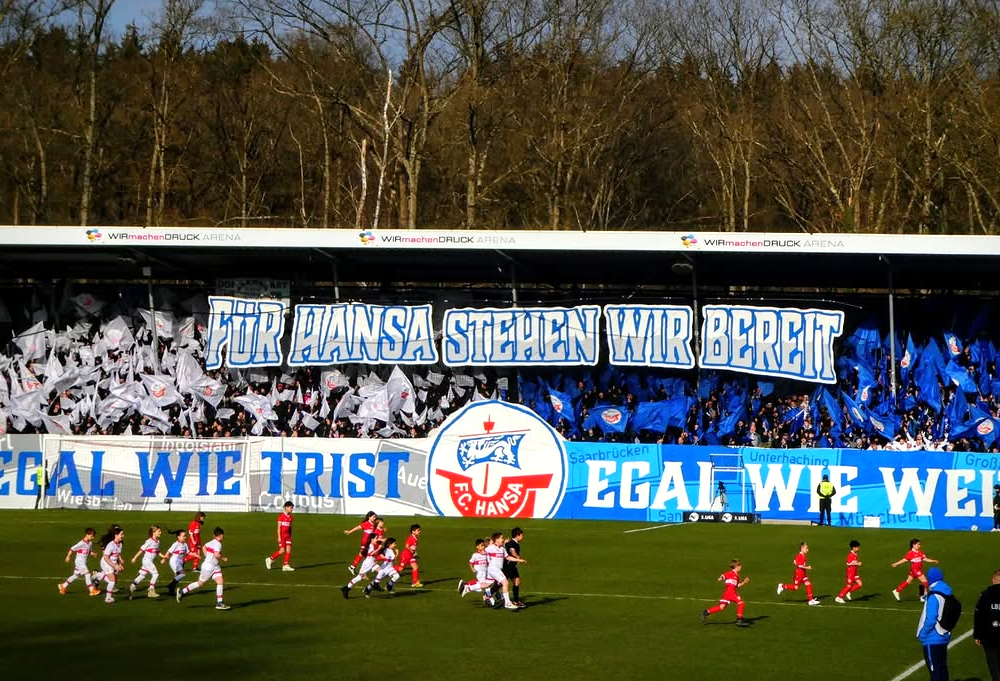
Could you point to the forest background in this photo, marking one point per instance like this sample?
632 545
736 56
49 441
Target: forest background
733 115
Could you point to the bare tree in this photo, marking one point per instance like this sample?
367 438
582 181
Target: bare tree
174 30
732 42
92 16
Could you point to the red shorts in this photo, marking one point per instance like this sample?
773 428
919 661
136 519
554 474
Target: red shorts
405 558
285 540
730 597
917 574
800 577
852 576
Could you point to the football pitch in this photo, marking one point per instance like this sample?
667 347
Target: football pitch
606 600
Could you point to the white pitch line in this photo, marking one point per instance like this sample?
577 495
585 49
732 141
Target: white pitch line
918 665
654 527
637 597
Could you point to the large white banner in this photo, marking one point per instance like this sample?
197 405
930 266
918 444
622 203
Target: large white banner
768 341
238 474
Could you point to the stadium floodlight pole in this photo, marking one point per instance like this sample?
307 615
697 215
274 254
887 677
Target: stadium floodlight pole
684 268
892 329
147 272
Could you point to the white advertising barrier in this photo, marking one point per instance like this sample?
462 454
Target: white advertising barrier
238 474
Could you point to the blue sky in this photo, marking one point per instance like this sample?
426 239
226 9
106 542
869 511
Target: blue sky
125 12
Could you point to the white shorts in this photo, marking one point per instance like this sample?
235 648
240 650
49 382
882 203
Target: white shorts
367 565
389 572
150 569
496 574
176 564
208 573
108 569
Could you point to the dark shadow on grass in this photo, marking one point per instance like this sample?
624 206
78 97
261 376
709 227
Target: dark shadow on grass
406 594
866 597
548 600
237 565
752 620
970 678
443 580
314 565
257 601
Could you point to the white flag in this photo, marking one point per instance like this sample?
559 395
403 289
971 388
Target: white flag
164 324
88 304
3 422
188 371
161 389
348 404
331 380
309 422
376 406
224 413
400 392
209 390
32 342
117 336
258 405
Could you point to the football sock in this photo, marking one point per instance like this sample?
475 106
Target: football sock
739 611
517 592
416 574
218 593
288 556
275 555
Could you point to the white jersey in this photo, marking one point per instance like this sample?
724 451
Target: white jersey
388 555
150 550
479 563
177 553
494 556
213 550
112 555
82 549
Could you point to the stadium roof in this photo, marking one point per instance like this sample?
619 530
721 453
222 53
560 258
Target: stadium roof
720 261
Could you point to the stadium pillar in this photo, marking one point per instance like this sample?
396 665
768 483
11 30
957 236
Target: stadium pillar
147 271
892 328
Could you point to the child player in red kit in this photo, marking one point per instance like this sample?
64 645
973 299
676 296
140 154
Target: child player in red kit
409 556
730 594
284 539
367 526
853 578
194 539
801 577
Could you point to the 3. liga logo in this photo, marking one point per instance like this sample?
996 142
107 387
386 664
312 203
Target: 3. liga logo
496 460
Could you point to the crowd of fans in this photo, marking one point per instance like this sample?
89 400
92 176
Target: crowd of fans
107 376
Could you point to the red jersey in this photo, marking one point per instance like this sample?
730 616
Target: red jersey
410 550
852 566
285 524
194 533
367 527
800 560
732 580
916 559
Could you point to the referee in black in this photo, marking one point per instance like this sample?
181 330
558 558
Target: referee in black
513 549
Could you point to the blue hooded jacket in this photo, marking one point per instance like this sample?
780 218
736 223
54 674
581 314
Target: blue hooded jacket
929 631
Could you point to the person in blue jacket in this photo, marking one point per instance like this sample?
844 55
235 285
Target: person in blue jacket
933 637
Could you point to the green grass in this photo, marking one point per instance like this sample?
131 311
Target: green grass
603 604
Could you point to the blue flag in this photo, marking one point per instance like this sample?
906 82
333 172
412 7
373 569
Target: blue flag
728 424
865 342
609 418
959 375
929 390
562 406
953 344
858 413
885 425
907 361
